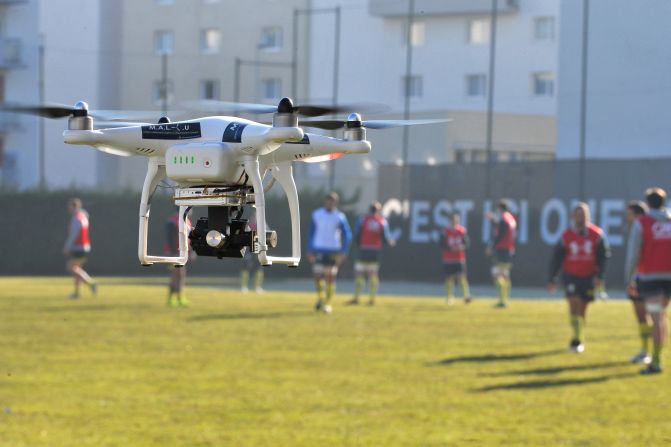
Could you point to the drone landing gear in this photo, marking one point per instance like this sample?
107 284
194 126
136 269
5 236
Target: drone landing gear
283 173
156 173
223 233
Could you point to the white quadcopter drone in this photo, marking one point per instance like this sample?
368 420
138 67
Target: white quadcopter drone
212 160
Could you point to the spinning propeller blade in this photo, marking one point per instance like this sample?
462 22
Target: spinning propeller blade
284 106
55 111
369 124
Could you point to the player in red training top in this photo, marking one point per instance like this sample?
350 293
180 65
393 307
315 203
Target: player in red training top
455 242
502 248
78 246
177 274
370 235
581 254
636 209
649 259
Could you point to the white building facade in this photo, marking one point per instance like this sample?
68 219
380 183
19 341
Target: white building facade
628 88
59 45
448 77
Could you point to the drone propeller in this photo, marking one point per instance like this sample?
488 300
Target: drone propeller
55 111
354 121
285 106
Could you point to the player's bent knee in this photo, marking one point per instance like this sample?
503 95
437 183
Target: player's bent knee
654 308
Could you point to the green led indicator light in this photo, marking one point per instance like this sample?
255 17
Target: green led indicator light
175 160
192 159
180 159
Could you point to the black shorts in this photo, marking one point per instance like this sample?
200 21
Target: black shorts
503 256
580 286
325 259
368 255
638 297
454 268
251 262
78 255
654 287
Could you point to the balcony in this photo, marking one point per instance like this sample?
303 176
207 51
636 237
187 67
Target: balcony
387 8
10 53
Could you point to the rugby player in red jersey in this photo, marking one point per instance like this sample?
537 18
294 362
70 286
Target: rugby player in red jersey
502 248
370 234
649 259
636 209
455 242
78 246
177 274
581 253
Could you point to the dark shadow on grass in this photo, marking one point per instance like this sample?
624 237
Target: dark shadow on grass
485 358
248 316
556 369
543 384
76 307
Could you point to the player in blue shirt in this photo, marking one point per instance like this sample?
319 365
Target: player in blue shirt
329 240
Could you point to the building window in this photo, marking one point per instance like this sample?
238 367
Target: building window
271 38
163 42
160 90
412 86
544 28
478 31
417 34
271 89
210 39
476 85
543 84
209 89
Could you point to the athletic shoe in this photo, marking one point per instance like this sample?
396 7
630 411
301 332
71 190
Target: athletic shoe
73 296
371 303
244 289
501 305
651 369
450 301
94 289
183 303
352 302
259 290
468 299
327 309
576 346
318 305
642 357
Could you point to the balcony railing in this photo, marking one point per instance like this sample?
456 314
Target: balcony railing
10 53
387 8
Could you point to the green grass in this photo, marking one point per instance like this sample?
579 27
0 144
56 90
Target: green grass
124 370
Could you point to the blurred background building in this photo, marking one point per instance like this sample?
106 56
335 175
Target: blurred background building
422 58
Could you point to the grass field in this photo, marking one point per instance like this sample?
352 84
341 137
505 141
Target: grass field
264 370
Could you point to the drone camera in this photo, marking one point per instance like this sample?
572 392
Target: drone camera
223 234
